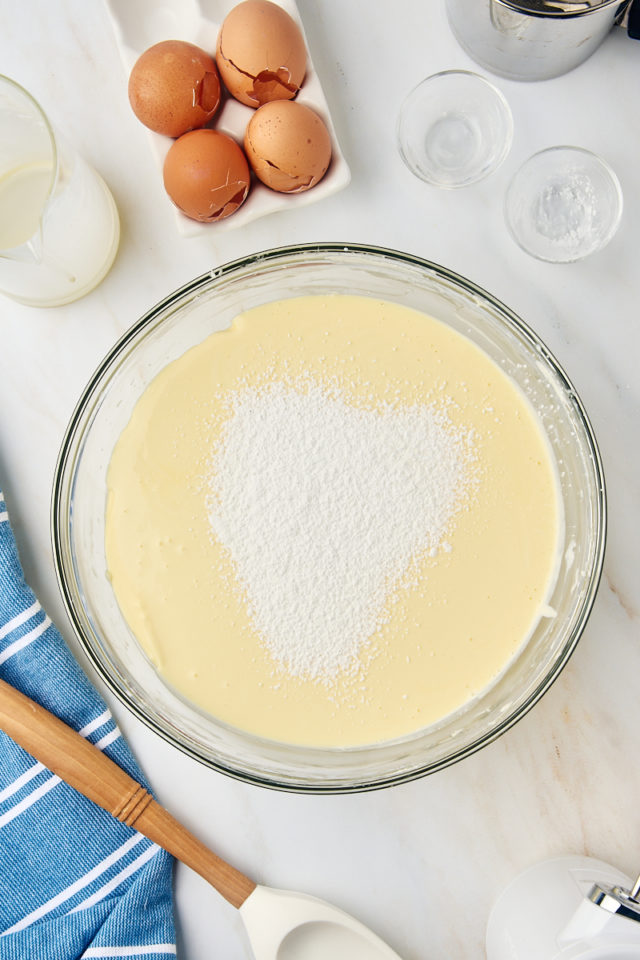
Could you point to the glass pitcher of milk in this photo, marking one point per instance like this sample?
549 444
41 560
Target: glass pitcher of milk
59 226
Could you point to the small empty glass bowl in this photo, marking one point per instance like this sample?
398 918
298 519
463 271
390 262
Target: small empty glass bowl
563 204
454 129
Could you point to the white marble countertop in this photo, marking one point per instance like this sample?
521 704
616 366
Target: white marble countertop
420 863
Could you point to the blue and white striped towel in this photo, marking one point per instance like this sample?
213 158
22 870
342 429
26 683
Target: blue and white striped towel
74 882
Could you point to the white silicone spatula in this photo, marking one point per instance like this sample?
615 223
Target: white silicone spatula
282 925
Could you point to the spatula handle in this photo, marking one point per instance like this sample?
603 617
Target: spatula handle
84 767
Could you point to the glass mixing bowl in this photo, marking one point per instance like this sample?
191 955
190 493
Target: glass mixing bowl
210 303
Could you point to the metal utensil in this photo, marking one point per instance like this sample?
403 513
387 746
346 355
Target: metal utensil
281 924
534 39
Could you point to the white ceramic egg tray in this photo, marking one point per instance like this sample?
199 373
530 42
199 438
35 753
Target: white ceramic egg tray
138 24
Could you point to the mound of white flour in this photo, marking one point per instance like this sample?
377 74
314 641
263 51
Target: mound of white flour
324 507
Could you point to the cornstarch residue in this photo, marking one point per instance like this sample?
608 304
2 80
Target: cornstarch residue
566 211
325 508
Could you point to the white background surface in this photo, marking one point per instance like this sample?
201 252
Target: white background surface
420 863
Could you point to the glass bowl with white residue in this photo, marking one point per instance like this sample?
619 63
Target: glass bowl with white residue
563 204
186 319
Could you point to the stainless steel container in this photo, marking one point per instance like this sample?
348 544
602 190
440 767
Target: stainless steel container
532 39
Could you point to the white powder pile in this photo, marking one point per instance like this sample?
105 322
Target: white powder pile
566 211
324 507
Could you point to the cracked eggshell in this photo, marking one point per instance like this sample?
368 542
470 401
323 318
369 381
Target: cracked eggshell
260 53
174 87
206 175
288 146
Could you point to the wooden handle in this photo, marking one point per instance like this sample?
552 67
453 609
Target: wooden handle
84 767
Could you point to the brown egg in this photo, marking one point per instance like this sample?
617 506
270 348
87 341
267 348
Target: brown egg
174 87
206 175
260 53
288 146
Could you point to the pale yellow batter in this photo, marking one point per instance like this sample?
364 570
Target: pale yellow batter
446 638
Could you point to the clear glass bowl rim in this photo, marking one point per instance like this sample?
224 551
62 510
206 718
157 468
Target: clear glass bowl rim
59 517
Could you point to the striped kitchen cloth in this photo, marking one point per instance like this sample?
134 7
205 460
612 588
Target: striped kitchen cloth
74 882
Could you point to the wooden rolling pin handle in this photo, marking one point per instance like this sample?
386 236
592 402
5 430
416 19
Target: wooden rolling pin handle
132 805
84 767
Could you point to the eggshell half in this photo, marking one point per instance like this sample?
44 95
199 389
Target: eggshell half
206 175
174 87
288 146
260 53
